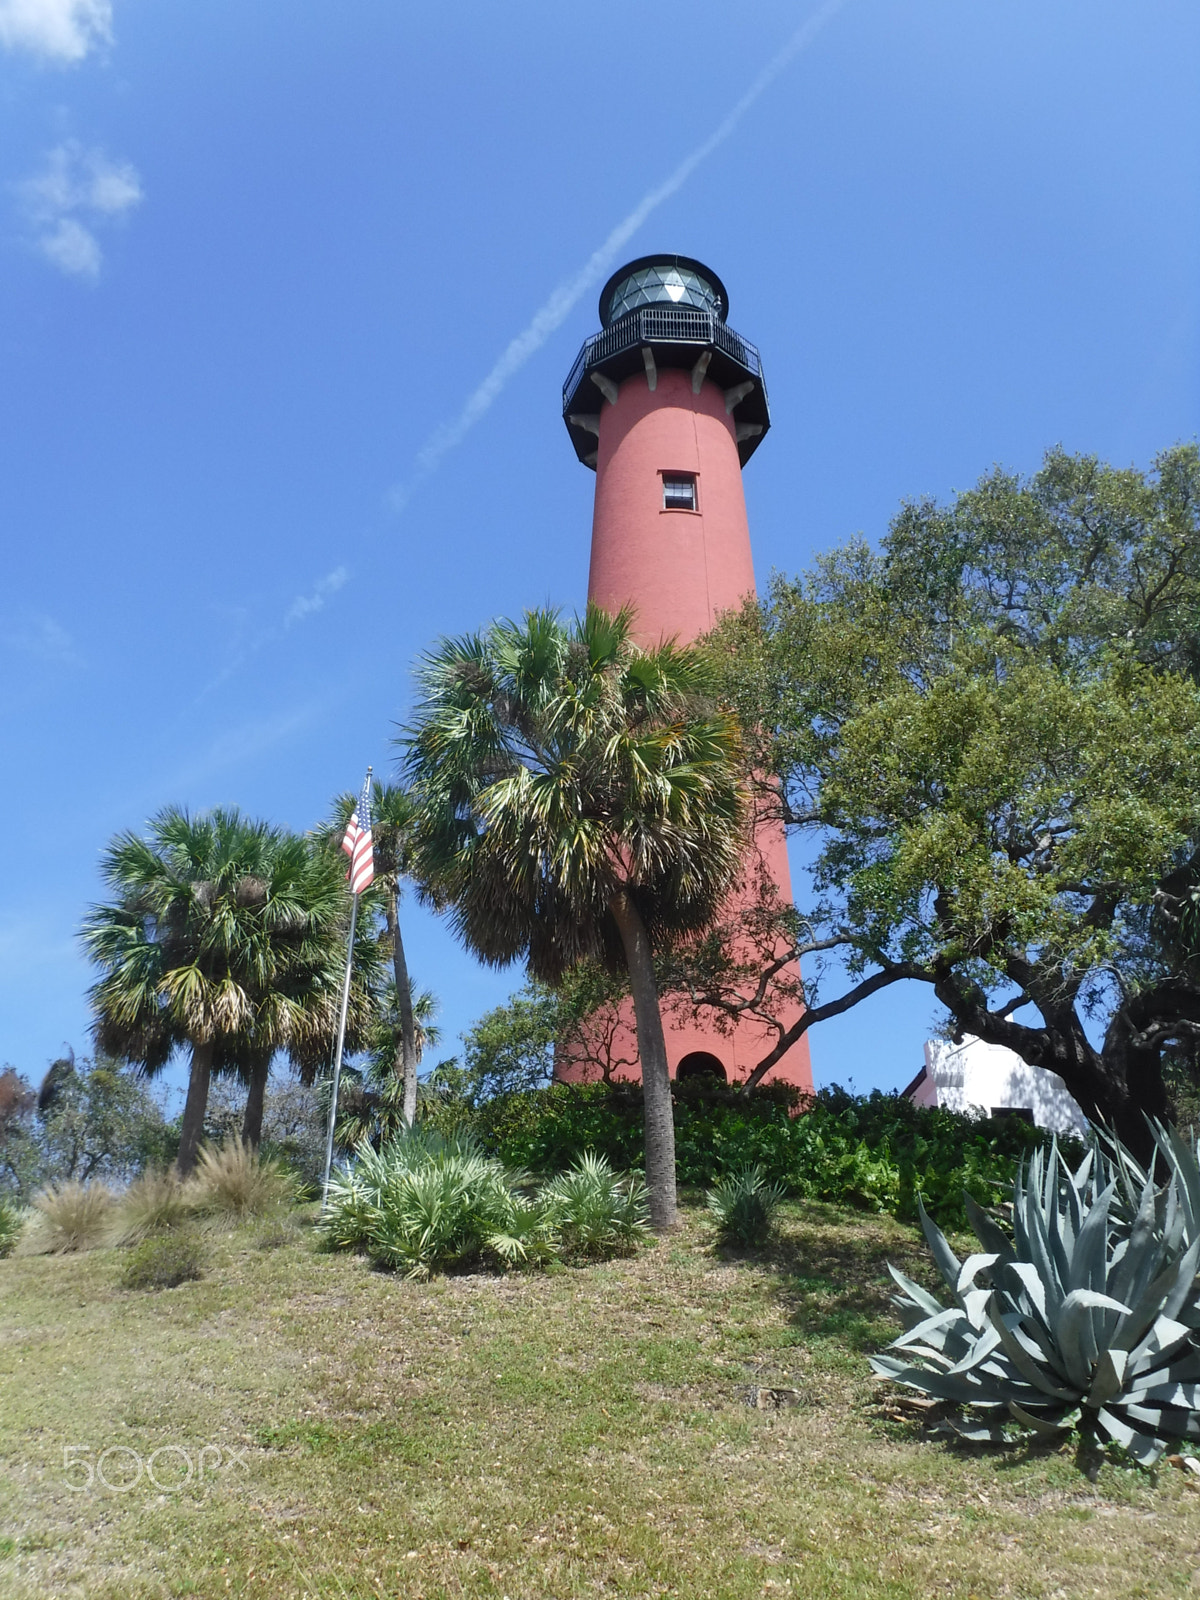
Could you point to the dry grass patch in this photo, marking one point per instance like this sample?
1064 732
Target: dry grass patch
579 1433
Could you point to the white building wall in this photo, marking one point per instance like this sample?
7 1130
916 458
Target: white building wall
973 1076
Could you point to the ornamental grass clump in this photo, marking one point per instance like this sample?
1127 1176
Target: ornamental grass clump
70 1216
593 1211
743 1205
153 1203
1086 1318
235 1180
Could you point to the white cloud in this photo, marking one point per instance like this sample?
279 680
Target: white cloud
304 605
70 246
301 608
76 190
64 30
38 636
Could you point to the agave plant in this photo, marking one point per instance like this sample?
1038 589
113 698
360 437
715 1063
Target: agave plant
1081 1319
1181 1163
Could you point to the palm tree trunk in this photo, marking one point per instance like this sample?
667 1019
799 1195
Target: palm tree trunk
252 1117
656 1075
408 1026
195 1108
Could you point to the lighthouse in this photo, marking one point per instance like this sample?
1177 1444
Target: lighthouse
667 404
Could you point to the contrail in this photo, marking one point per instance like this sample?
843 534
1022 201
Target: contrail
566 295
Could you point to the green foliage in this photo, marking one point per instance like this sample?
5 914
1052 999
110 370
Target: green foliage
371 1101
876 1152
164 1261
12 1221
89 1120
237 1180
555 765
743 1205
20 1161
1088 1316
98 1119
511 1048
592 1211
425 1202
428 1201
989 731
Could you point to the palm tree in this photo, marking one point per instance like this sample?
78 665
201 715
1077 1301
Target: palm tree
579 799
226 937
392 825
375 1098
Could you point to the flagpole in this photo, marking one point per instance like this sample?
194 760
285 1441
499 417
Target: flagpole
341 1038
337 1060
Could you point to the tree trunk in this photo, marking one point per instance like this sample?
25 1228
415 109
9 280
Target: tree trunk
195 1107
408 1026
1145 1096
1135 1070
252 1118
1116 1087
656 1075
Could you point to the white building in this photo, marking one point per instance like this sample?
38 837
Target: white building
987 1078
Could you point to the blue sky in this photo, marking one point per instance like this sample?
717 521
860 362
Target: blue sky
255 262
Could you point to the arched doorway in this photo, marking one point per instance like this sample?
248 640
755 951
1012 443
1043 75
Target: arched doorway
701 1064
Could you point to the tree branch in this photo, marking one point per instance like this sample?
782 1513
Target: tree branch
833 1008
1009 1006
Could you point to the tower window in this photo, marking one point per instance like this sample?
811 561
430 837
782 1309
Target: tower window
679 491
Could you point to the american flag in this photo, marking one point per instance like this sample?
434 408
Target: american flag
358 843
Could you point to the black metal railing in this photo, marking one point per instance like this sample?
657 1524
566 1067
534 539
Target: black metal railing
661 325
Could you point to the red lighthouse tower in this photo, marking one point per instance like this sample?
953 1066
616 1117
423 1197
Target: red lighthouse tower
667 403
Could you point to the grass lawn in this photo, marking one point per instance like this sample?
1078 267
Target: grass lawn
582 1432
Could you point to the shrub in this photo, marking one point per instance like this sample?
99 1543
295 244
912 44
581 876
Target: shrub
877 1152
451 1215
430 1200
426 1200
164 1260
12 1221
1085 1317
744 1205
153 1203
593 1211
71 1216
236 1180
